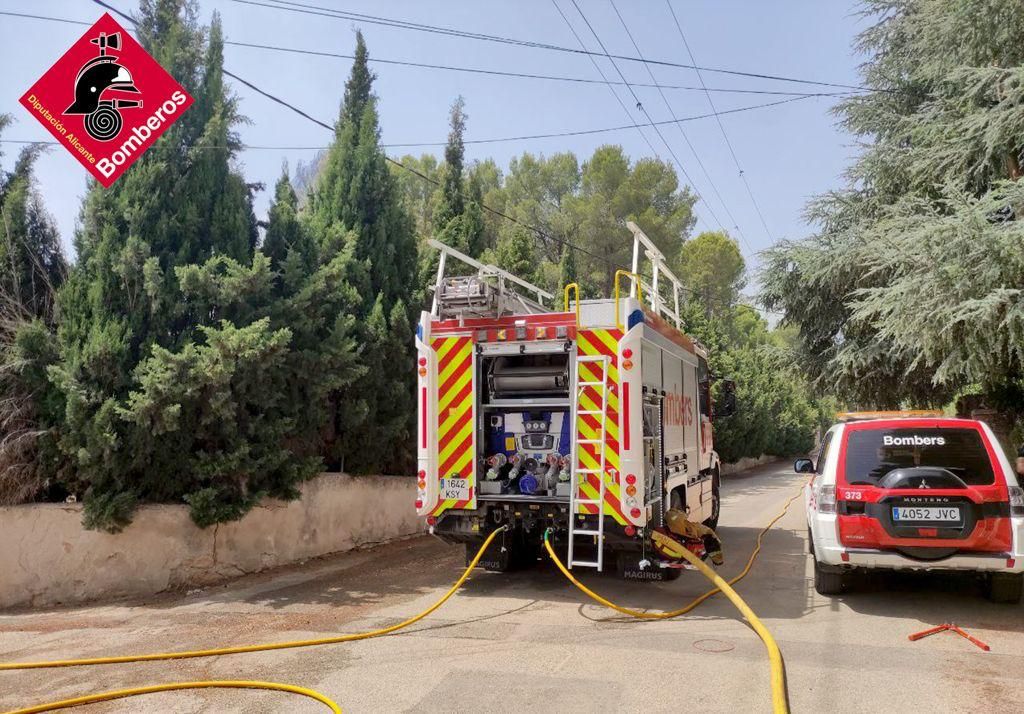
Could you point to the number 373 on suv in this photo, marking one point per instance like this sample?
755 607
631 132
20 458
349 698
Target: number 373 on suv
914 491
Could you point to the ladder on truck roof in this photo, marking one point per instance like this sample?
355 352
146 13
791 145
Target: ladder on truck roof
580 476
488 293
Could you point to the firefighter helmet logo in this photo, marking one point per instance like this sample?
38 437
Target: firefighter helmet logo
99 76
106 100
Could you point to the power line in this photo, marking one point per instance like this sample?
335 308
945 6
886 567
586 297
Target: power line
686 138
721 126
643 109
316 10
502 139
540 233
470 70
537 231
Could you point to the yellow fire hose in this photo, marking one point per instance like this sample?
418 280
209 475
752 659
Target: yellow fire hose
219 684
778 674
780 702
232 684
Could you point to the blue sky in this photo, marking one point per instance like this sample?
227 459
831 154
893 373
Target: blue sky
788 152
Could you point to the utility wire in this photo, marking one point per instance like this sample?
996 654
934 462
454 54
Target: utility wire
537 231
721 126
453 32
643 109
495 140
532 228
686 138
470 70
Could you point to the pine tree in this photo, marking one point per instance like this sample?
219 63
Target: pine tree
182 202
356 207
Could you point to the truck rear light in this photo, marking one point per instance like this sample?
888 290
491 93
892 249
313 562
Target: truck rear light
631 490
419 503
422 474
423 361
630 531
1016 501
422 484
635 513
844 556
422 371
627 353
627 364
826 498
431 521
501 335
630 479
542 333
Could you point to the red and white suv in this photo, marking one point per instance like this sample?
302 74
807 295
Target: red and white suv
914 492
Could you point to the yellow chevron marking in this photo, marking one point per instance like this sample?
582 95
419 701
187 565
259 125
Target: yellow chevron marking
444 345
456 442
446 399
450 415
459 361
466 457
610 342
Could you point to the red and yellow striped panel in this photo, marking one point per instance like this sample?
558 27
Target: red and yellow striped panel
455 416
598 343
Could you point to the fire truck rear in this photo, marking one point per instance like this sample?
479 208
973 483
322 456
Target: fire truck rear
593 421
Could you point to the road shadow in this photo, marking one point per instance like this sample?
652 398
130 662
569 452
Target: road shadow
777 586
934 597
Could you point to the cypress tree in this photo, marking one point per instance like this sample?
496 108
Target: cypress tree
182 202
450 200
356 208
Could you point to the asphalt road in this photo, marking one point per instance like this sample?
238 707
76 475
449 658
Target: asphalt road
529 641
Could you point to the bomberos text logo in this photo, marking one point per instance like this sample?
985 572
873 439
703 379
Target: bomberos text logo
106 100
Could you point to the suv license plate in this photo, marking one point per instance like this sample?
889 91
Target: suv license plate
943 514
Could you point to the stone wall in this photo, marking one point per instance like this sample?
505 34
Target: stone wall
46 558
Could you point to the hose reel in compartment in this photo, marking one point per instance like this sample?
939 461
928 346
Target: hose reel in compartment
511 376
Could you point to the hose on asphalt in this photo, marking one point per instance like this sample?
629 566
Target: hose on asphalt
780 698
172 686
235 684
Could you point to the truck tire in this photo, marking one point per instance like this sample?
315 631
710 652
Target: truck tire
828 582
1006 587
716 501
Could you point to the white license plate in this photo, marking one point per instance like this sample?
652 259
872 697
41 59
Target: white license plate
947 514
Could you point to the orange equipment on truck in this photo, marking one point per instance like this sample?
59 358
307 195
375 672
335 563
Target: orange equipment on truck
594 420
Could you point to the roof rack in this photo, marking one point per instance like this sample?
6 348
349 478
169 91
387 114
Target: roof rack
898 414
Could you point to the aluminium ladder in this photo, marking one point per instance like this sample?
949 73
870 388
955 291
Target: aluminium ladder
580 475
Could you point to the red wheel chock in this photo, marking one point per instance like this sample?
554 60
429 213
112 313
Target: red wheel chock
952 628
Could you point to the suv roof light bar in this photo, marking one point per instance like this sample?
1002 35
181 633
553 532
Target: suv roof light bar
897 414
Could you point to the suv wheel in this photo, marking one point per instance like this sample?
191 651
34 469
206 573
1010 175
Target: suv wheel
1006 587
828 582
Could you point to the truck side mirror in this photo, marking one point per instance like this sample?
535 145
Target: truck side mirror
727 406
803 466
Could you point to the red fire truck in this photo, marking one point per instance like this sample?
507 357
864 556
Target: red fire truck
592 420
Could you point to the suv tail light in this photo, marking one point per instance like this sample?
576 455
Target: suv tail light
1016 501
826 498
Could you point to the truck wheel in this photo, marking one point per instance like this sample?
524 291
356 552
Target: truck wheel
828 582
716 501
1006 587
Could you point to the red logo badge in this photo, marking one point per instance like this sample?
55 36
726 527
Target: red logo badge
106 100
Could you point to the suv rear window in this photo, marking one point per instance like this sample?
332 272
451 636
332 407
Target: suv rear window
872 453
